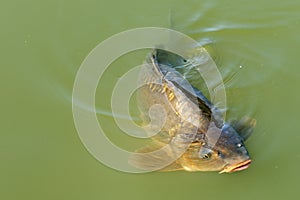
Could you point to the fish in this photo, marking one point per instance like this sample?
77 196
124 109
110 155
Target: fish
191 133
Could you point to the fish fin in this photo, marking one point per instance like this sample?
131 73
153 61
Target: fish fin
162 138
244 127
153 157
175 166
161 156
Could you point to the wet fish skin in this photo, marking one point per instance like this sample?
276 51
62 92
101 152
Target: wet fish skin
227 152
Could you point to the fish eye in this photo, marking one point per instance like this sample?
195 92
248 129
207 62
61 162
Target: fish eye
153 56
206 156
184 60
205 153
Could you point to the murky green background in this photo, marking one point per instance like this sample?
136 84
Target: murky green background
43 44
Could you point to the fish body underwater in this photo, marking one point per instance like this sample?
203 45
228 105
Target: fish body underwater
192 133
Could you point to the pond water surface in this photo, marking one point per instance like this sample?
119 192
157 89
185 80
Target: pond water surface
254 43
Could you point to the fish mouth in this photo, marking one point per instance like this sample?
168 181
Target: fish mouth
238 167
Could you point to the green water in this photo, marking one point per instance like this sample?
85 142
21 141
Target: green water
43 43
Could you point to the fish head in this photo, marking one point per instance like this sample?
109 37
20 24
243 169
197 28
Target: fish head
228 154
231 150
